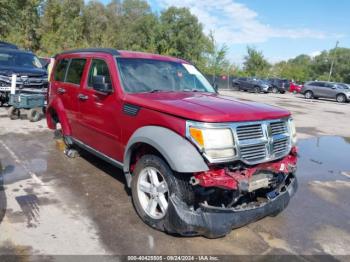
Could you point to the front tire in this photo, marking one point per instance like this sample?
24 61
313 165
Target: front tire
275 90
341 98
152 185
256 90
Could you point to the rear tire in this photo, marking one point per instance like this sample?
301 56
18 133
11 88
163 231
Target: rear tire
13 113
256 89
309 95
341 98
152 185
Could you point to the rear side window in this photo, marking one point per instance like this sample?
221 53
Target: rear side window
75 71
60 71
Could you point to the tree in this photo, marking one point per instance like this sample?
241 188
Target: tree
19 21
8 16
139 26
254 63
217 63
62 26
181 35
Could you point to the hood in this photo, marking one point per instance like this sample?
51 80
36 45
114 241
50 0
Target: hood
206 107
25 71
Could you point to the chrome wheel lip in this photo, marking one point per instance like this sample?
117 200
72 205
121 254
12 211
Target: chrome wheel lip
152 192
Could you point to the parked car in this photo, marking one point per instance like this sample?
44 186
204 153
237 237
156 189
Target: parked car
187 152
251 84
322 89
295 88
26 66
279 85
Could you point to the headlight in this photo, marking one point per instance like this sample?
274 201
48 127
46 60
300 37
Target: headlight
293 132
216 143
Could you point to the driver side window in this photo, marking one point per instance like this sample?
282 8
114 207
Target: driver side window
98 68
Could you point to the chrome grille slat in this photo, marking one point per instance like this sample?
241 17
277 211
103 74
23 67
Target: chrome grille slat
279 127
249 131
280 146
262 141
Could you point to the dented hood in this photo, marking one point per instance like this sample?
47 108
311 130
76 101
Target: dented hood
206 107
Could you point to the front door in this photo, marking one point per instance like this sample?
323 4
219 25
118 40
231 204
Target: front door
100 112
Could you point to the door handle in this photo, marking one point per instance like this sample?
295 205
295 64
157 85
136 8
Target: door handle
61 90
83 97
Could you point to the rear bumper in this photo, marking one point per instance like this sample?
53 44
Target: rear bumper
213 222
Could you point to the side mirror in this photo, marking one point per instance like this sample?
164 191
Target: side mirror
99 84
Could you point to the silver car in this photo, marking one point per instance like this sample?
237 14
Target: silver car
322 89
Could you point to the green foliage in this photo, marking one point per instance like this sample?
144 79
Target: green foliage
255 63
216 61
304 68
181 35
51 26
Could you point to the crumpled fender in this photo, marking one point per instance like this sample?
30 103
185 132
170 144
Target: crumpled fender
57 106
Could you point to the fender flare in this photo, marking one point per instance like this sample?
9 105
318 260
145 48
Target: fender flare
58 107
179 153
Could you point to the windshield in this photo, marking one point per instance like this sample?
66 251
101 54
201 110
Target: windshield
147 75
19 59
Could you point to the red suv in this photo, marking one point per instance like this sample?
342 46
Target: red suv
198 163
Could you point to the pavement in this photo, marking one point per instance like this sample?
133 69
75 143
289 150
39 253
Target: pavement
53 205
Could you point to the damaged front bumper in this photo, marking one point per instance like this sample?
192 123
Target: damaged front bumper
213 222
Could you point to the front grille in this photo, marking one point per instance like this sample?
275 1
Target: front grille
280 146
249 132
253 153
278 128
262 141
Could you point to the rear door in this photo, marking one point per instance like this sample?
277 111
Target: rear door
319 89
100 112
66 85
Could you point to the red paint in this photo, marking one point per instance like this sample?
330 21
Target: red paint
295 87
206 107
101 123
224 178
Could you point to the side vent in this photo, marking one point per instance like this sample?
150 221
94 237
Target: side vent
131 110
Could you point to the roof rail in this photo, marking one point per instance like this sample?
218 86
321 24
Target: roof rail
110 51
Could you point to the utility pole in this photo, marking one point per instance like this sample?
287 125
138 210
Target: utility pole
332 64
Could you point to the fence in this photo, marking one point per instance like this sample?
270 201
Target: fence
222 82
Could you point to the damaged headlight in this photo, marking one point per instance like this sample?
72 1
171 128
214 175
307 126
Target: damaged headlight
293 132
216 143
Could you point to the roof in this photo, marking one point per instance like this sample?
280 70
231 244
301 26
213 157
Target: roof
7 45
124 54
13 50
110 51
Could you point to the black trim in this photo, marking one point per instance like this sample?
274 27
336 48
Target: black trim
96 153
131 110
110 51
214 222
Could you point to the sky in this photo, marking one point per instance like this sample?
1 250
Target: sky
281 29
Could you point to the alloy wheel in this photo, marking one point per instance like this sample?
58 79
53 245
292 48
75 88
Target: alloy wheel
152 191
